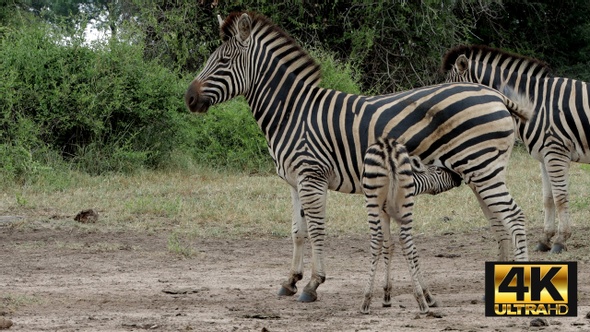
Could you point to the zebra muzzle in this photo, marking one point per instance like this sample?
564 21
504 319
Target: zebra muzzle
194 99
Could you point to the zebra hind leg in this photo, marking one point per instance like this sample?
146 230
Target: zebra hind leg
421 293
559 187
496 201
549 208
376 250
387 251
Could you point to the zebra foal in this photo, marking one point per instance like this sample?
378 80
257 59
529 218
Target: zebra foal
391 179
317 137
558 132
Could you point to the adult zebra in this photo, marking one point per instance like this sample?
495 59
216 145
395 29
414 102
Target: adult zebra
391 179
317 137
557 134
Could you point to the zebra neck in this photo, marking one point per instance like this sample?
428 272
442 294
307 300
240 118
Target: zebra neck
276 100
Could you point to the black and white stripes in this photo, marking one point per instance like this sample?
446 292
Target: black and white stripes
557 134
391 179
318 137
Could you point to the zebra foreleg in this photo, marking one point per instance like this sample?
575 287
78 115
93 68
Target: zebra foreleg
312 192
298 233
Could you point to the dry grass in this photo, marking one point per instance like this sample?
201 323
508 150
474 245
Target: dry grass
207 203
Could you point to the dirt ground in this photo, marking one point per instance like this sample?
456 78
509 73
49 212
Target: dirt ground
64 280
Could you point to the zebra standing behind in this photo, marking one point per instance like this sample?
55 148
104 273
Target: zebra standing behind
557 134
317 137
391 179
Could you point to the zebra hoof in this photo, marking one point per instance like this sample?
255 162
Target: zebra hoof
284 291
387 300
307 297
542 247
558 248
365 308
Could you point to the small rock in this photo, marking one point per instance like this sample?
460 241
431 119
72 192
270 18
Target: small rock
5 323
539 322
87 216
448 255
588 315
434 314
181 291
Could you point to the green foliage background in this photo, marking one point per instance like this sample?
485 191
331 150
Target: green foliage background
116 105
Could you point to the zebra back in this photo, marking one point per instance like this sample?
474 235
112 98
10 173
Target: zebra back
491 66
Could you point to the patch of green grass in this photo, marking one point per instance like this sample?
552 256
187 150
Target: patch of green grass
201 202
180 245
12 302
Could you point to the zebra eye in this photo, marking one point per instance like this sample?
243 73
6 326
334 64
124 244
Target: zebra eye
224 59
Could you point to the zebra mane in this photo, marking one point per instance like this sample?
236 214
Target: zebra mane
261 25
471 51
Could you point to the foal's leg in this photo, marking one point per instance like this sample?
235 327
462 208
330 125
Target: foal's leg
387 250
377 220
421 293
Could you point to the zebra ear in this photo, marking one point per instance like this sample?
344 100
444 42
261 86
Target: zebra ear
462 63
244 27
220 20
417 165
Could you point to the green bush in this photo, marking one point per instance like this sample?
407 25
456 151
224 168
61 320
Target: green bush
336 74
103 108
228 136
89 103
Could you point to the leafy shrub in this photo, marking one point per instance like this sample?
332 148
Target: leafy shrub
104 108
228 137
336 74
90 104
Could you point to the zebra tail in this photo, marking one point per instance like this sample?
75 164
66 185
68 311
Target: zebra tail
517 103
399 167
392 162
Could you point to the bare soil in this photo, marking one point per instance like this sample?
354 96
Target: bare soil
76 280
